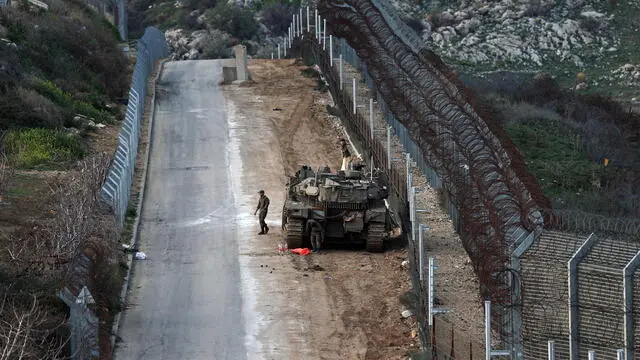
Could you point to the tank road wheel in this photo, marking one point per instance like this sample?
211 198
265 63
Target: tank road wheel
294 233
375 238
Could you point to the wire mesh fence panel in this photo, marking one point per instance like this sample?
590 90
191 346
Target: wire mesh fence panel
116 189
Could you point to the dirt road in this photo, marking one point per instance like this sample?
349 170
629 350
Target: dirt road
352 308
211 286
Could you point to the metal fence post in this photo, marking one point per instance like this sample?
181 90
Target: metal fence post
620 354
353 88
341 66
371 117
324 34
488 350
551 350
572 269
389 148
627 286
592 355
421 228
331 50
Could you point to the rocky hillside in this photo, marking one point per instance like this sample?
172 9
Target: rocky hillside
208 29
596 38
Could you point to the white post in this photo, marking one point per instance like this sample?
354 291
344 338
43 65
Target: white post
354 94
290 36
341 72
324 34
308 21
316 23
331 50
431 290
372 168
487 329
272 55
300 22
293 26
592 355
278 51
551 350
421 254
285 47
620 354
407 163
388 147
371 117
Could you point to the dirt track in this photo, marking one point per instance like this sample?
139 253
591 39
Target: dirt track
361 308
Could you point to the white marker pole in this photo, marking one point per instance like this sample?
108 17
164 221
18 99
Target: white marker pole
331 50
308 21
324 34
354 94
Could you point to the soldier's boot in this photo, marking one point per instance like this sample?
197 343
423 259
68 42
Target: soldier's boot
266 229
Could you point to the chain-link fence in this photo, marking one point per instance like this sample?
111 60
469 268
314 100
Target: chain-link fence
116 190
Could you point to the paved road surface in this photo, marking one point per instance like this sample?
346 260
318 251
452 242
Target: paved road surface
211 288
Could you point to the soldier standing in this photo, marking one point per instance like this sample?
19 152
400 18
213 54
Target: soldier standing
263 208
346 155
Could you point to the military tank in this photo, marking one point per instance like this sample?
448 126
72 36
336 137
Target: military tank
343 207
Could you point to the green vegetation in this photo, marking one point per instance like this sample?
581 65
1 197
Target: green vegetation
583 150
237 21
58 64
553 154
31 148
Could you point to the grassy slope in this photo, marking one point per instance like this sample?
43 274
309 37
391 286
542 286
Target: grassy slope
65 62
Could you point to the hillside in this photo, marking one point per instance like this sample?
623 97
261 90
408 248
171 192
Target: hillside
549 71
61 74
61 68
208 29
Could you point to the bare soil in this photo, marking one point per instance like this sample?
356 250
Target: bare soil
363 288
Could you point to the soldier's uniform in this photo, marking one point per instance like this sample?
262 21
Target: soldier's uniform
346 155
263 208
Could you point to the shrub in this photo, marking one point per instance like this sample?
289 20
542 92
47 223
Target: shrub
277 17
72 106
216 45
34 147
232 19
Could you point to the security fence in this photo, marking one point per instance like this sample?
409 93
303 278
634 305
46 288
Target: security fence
116 190
503 231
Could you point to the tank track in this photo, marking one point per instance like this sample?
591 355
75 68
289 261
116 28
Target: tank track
294 233
375 237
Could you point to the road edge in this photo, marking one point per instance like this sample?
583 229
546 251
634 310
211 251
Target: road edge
141 196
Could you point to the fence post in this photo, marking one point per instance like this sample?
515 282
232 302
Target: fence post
331 50
278 51
421 228
572 269
300 22
371 117
627 286
620 354
488 351
272 55
341 71
551 350
389 148
354 94
284 47
308 21
315 27
592 355
324 34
